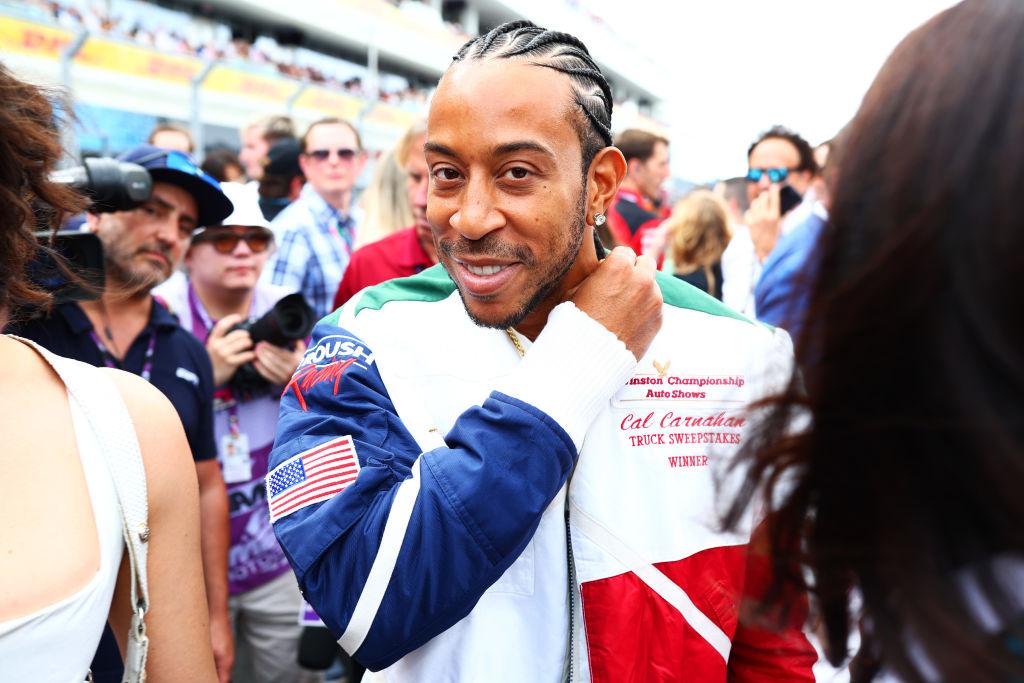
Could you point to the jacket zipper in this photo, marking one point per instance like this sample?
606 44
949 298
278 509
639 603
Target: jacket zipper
572 590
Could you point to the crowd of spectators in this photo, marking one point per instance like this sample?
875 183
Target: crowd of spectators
173 32
902 395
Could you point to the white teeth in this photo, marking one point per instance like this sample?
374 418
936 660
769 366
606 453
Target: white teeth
484 270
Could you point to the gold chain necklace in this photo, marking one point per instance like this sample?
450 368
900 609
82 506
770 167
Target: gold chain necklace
514 338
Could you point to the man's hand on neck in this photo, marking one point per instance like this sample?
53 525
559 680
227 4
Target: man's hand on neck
623 295
586 263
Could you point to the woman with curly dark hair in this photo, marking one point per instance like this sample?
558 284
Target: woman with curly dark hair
71 468
907 483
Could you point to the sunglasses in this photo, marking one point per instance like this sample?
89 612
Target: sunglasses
344 154
226 241
775 175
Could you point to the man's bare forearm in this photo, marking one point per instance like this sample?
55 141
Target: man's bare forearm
216 535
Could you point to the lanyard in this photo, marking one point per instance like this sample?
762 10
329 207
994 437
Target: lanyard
224 399
202 323
233 421
111 361
342 238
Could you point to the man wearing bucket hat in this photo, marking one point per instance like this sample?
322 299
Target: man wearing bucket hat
128 328
218 291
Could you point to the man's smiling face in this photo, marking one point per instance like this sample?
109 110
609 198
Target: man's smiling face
506 201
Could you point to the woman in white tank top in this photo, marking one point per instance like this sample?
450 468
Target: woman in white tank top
63 570
27 640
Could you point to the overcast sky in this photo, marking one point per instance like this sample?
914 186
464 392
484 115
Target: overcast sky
739 66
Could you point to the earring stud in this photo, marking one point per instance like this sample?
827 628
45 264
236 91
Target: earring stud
599 219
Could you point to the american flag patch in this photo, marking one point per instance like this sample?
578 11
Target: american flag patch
311 477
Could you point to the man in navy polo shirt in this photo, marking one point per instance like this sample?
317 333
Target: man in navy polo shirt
127 328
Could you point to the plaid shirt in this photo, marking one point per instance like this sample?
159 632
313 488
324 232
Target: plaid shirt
314 246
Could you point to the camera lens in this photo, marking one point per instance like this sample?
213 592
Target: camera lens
112 185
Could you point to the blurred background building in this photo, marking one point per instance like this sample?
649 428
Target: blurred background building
216 65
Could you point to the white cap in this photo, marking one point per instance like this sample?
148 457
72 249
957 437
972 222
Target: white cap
247 206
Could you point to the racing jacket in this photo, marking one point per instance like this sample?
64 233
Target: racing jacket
420 487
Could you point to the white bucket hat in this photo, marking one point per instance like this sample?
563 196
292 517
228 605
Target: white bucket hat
247 208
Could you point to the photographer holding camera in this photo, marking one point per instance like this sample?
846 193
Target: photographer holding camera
214 301
127 328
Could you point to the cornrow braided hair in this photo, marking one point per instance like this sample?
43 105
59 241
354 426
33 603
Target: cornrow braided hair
564 53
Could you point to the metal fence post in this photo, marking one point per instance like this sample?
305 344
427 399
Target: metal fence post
72 150
372 64
289 105
196 122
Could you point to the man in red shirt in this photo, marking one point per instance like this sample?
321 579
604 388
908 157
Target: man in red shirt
407 251
638 202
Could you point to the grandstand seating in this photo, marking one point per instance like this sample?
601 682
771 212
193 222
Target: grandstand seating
141 62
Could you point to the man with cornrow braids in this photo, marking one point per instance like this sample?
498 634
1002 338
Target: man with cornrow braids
522 489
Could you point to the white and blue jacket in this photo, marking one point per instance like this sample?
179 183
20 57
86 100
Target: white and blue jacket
437 548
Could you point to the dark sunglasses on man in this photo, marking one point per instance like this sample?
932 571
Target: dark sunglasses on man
344 154
775 175
225 239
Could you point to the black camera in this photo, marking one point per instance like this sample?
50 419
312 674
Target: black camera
290 320
68 252
110 185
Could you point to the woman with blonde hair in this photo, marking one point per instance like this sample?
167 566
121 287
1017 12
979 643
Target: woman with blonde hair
386 200
696 235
